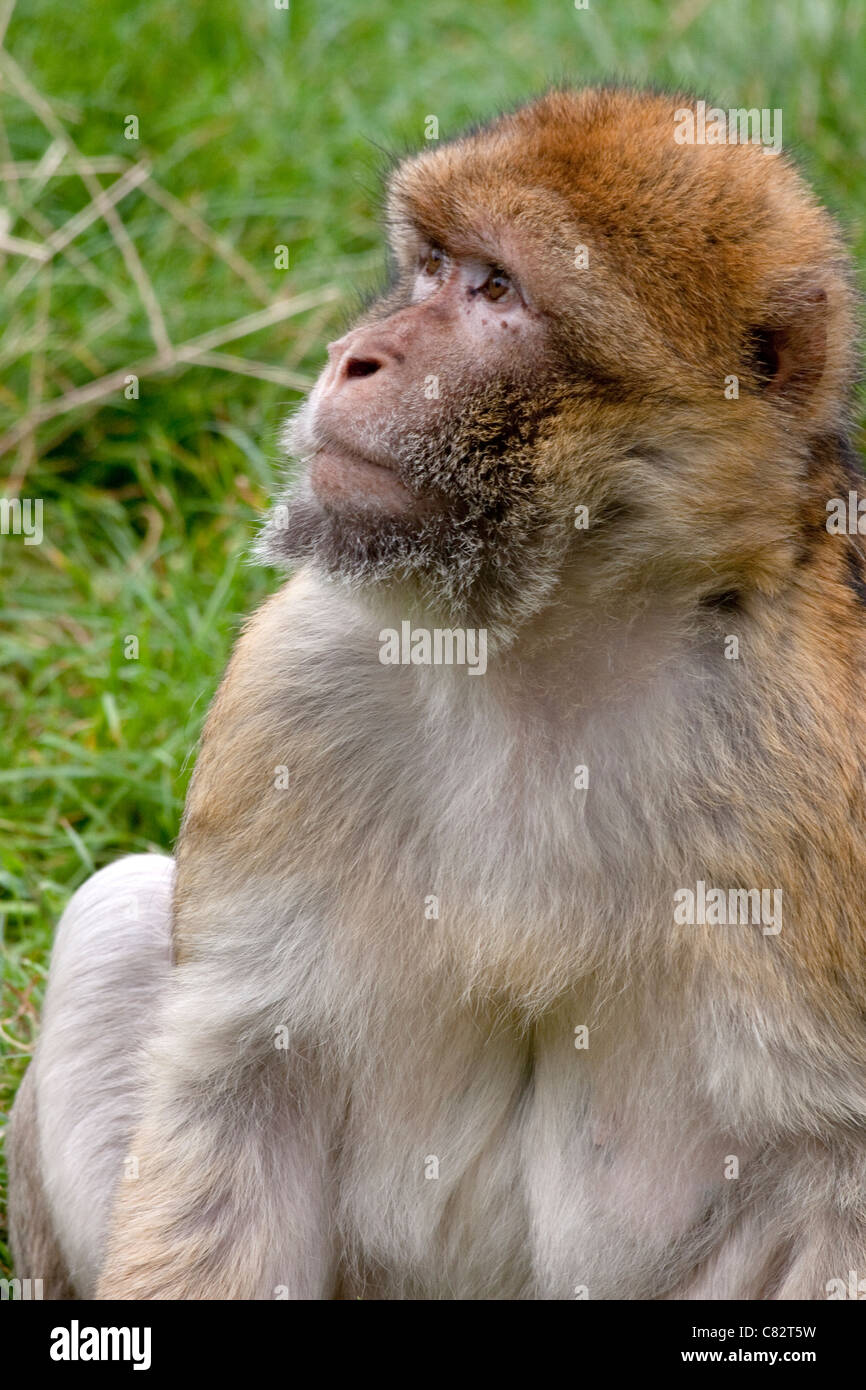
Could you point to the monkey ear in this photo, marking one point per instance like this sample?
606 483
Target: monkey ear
789 353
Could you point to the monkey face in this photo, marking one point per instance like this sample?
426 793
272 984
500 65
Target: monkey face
575 293
414 401
417 442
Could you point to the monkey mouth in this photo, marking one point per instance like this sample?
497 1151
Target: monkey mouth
344 480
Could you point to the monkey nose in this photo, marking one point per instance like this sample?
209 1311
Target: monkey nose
350 358
360 366
347 358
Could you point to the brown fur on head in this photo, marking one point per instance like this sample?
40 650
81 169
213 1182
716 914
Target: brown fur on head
702 263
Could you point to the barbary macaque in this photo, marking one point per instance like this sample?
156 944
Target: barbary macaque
546 981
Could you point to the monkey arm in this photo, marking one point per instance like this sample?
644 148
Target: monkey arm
232 1151
230 1201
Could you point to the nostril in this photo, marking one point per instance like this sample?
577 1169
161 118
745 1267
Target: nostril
362 366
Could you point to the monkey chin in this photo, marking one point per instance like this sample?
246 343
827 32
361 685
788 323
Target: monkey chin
348 482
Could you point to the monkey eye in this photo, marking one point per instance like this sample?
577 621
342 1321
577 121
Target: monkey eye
496 285
432 261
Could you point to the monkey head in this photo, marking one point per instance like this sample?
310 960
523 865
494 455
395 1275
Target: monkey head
600 369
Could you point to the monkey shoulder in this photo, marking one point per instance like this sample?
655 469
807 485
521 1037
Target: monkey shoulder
304 698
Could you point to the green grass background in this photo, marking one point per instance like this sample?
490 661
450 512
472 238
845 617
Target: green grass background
274 126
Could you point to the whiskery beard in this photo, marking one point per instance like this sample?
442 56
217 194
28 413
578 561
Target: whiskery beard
487 551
